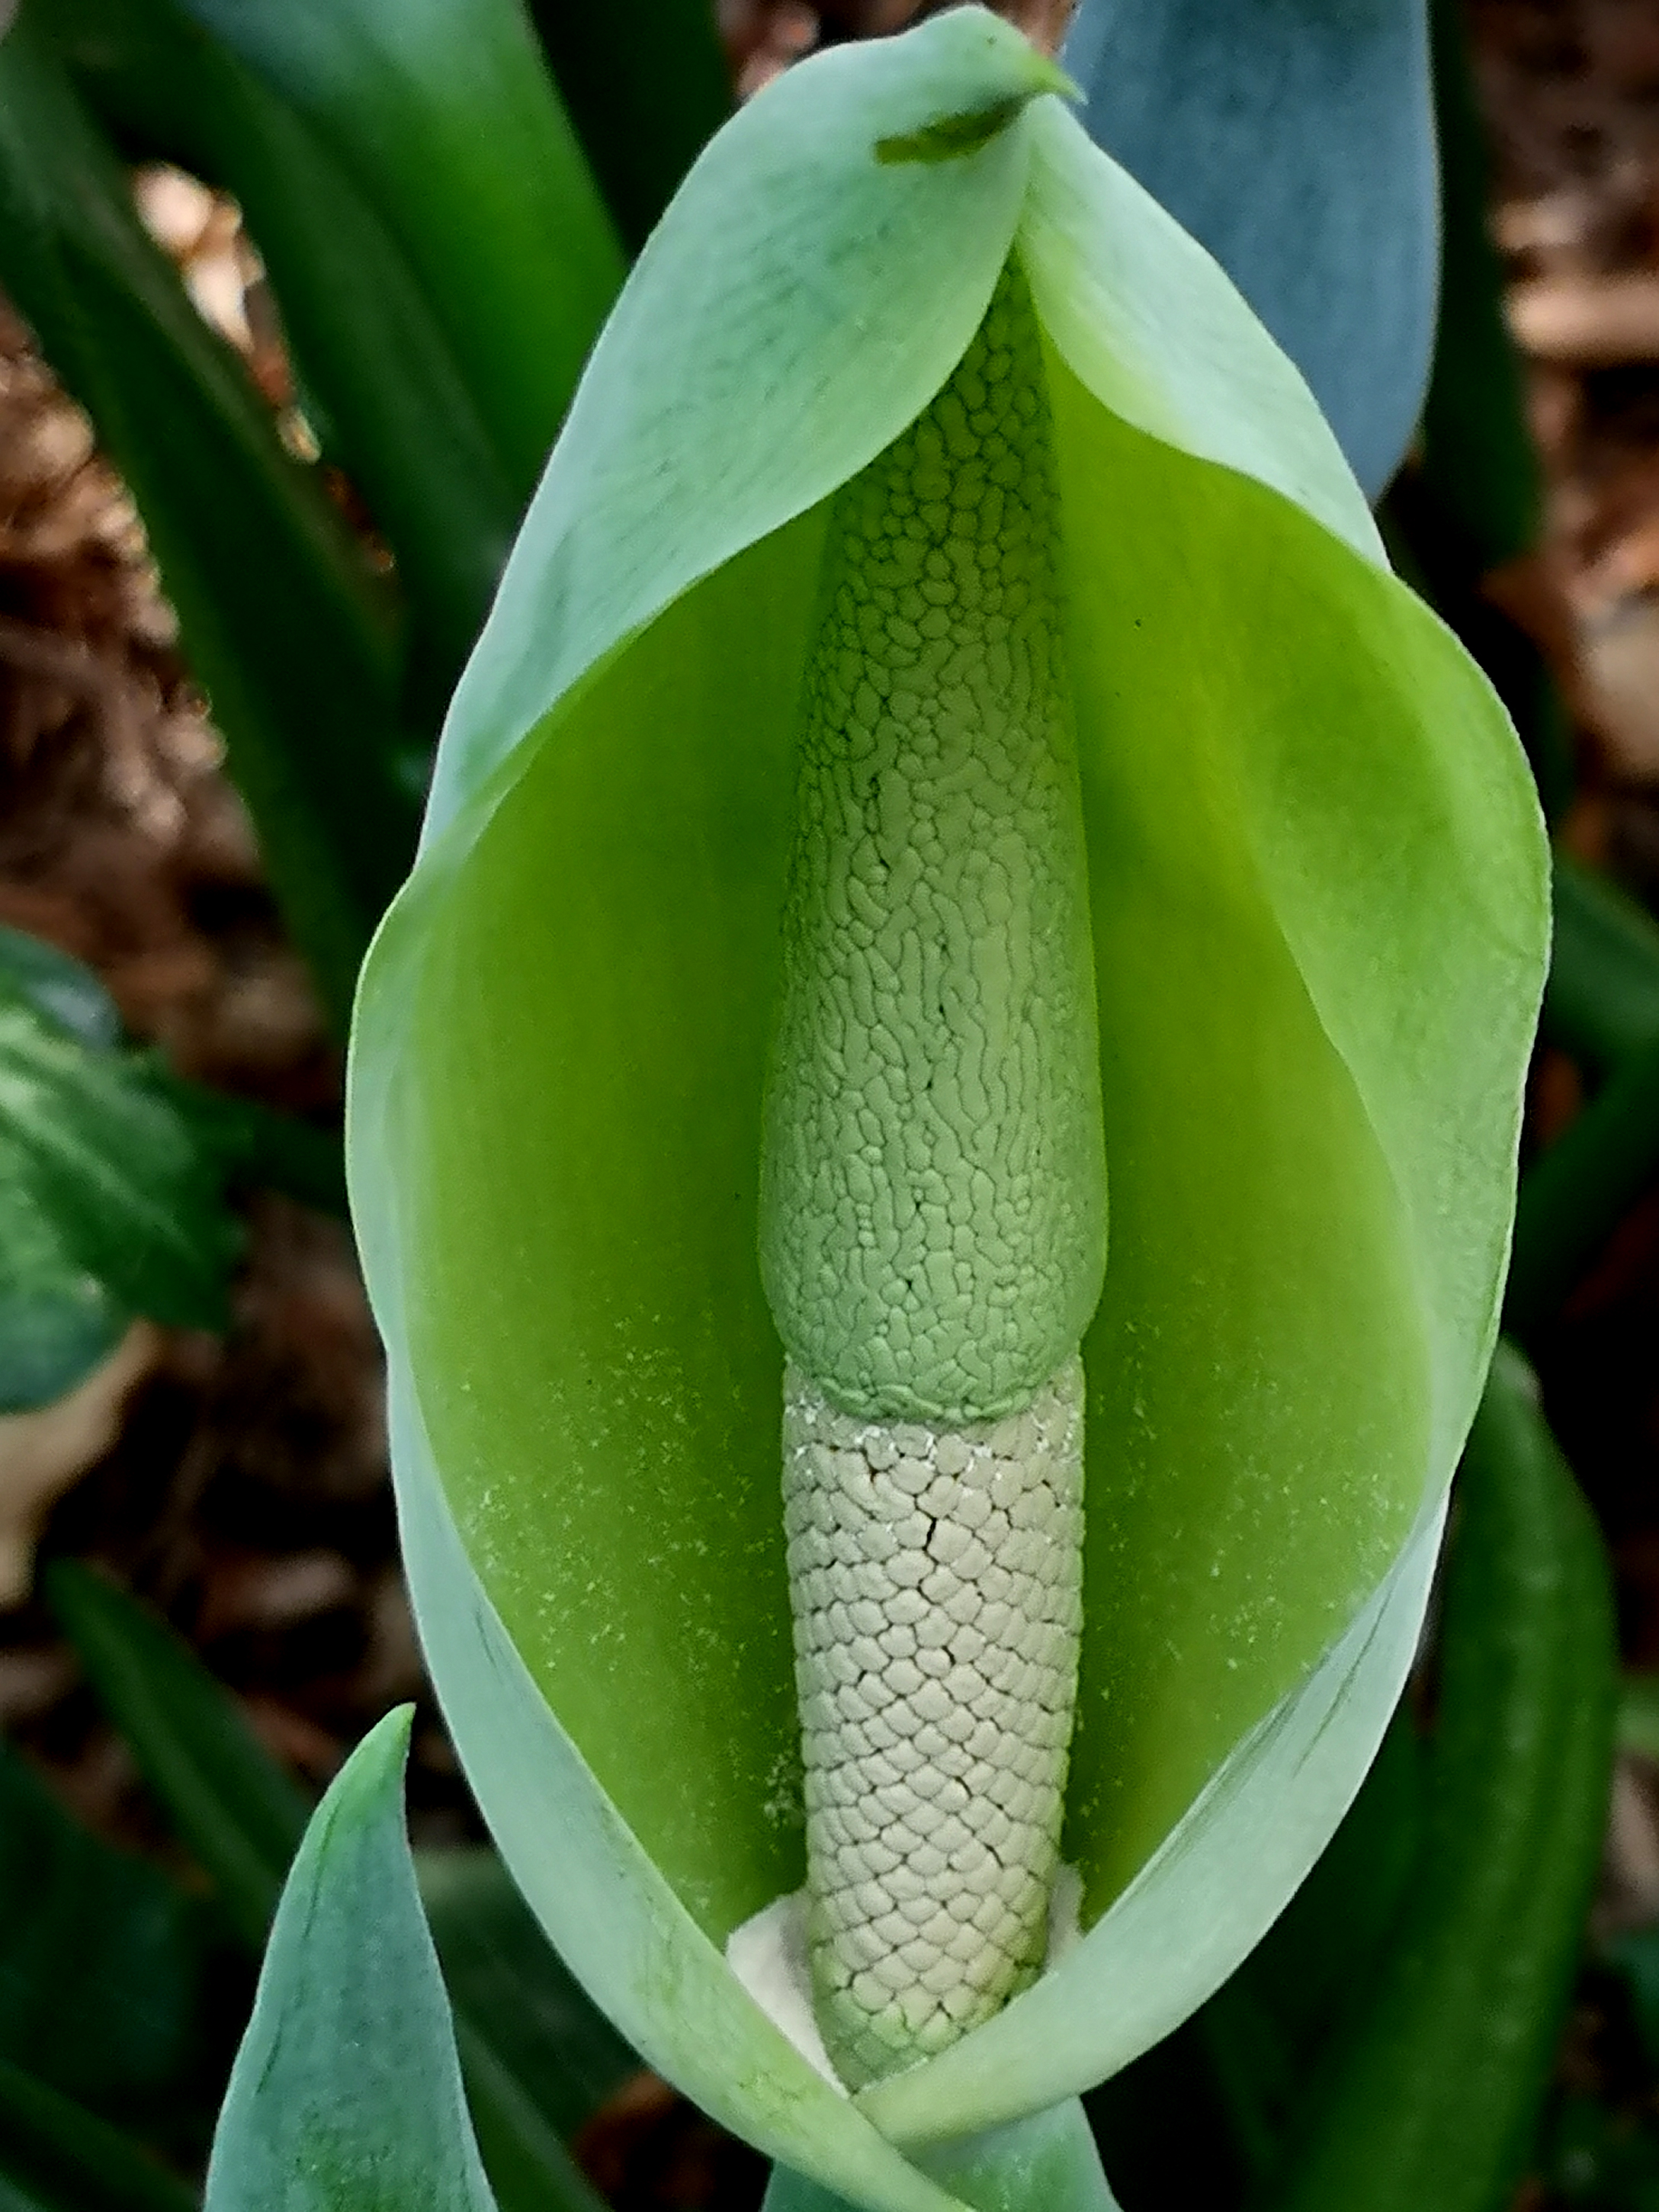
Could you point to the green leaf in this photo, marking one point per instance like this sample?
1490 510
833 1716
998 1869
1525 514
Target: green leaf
1470 502
368 345
1575 1194
543 2032
1298 144
444 113
257 1146
100 1958
1432 2095
537 2059
346 2092
251 1142
109 1204
643 107
1601 1003
1319 888
279 616
1478 453
1263 2033
238 1811
62 2158
1638 1715
60 989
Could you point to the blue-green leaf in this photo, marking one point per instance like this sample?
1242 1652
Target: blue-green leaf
1317 881
346 2093
1295 139
538 2057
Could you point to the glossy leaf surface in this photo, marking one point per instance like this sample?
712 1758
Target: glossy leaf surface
1295 140
346 2093
283 624
447 117
1319 902
372 356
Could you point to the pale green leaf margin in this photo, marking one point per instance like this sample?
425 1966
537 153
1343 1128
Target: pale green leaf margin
658 481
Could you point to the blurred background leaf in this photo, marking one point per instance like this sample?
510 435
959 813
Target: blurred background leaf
644 106
381 387
445 113
110 1206
1295 139
285 624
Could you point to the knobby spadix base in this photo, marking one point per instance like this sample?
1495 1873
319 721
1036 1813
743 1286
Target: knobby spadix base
1315 890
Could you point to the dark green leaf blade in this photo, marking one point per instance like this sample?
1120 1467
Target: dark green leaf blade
369 347
66 2159
235 1807
1478 451
101 1959
644 107
1431 2096
346 2094
1602 998
453 130
278 611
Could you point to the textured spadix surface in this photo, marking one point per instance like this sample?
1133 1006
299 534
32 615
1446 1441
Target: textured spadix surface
933 1226
1316 891
936 1577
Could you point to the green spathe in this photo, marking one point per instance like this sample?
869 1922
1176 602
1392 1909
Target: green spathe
1317 890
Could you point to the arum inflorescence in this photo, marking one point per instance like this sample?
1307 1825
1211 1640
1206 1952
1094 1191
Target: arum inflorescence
932 1216
948 730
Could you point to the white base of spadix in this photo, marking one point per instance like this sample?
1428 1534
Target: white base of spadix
768 1956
